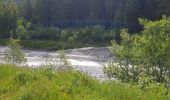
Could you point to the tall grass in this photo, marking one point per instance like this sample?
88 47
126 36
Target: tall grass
46 84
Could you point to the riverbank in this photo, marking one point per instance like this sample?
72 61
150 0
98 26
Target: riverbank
50 45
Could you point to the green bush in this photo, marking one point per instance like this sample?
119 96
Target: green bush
48 44
22 30
85 35
64 34
52 38
45 33
144 58
71 41
14 55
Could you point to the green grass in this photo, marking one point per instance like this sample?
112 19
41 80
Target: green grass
3 42
43 44
46 84
47 44
50 44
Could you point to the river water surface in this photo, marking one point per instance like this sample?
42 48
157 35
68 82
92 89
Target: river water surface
89 60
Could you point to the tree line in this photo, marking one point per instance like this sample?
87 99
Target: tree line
115 13
70 13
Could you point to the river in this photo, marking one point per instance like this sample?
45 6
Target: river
89 60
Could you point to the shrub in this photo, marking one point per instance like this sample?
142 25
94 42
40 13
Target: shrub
14 55
64 34
64 64
143 58
60 63
123 67
97 34
71 41
44 33
22 30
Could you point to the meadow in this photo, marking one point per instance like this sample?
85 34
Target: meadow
24 83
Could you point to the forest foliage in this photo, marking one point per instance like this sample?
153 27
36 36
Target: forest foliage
113 14
143 58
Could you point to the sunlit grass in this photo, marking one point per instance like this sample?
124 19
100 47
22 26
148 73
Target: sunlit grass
46 84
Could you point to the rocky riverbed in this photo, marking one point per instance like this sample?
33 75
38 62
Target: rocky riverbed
89 60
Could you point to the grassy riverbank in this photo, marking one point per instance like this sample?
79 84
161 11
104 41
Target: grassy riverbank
46 84
50 44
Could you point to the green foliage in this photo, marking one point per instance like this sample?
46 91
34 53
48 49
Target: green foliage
45 33
111 13
22 30
152 49
123 67
49 44
44 83
96 35
71 41
14 55
8 17
143 58
64 64
119 13
64 34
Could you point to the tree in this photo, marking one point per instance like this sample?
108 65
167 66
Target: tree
122 67
97 10
28 10
22 29
144 55
152 49
8 18
66 13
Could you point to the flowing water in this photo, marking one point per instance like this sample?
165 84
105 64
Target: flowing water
89 60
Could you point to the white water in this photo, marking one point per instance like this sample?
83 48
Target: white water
88 60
